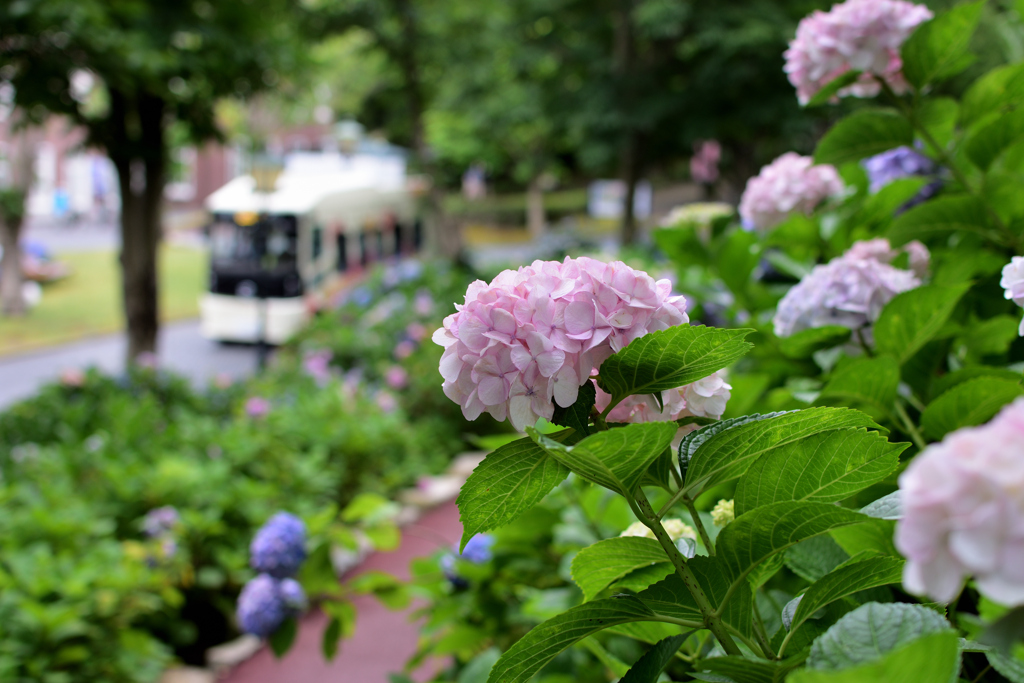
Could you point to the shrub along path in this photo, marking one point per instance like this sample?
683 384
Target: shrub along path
383 639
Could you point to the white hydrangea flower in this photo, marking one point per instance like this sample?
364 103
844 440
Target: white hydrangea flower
723 512
1013 283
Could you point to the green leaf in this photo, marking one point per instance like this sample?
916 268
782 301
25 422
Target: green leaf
938 218
824 95
938 116
990 337
649 667
739 254
1005 632
870 631
815 557
912 318
743 670
988 142
864 133
871 380
886 507
803 344
394 594
933 658
616 459
1011 668
882 206
825 467
597 566
757 535
344 612
281 640
937 50
671 597
668 359
873 535
508 482
947 382
692 441
577 416
538 647
480 666
728 453
331 639
971 403
649 632
993 93
847 580
646 577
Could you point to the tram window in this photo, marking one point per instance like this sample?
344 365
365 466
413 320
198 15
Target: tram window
318 242
342 252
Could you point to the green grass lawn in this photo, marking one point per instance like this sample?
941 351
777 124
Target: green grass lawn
89 301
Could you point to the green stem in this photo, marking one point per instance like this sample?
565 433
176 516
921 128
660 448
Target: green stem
863 343
700 525
785 642
908 425
712 621
676 497
599 422
762 634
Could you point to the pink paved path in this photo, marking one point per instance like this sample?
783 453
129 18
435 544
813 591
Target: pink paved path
383 640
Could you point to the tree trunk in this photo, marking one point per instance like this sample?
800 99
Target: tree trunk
140 170
624 54
631 176
536 221
12 300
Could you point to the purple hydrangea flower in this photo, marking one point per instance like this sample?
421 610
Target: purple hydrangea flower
261 606
279 547
901 162
160 521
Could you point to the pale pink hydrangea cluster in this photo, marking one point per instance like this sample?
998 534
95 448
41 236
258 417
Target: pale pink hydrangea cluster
535 334
963 512
850 290
857 35
1013 283
790 183
704 398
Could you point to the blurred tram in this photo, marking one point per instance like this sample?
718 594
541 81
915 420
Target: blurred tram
279 247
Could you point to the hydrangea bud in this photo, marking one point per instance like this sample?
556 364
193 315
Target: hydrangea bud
850 290
901 162
789 184
723 512
674 527
857 35
532 337
279 547
261 607
1013 283
963 512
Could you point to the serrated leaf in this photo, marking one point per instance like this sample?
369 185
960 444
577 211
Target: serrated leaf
947 382
508 482
803 344
989 141
968 404
864 133
824 95
912 318
531 652
882 205
281 640
825 467
847 580
644 578
597 566
616 459
692 441
755 536
992 93
933 658
938 48
874 535
670 597
648 632
668 359
938 218
744 670
331 639
938 116
886 507
649 667
815 557
872 630
1011 668
870 380
577 416
729 452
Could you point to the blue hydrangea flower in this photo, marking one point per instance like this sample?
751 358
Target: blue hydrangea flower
477 551
279 547
293 595
261 607
901 162
160 521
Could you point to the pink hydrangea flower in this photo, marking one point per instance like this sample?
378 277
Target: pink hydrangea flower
404 349
704 398
531 337
790 183
317 364
850 290
963 506
396 377
72 377
257 406
1013 283
857 35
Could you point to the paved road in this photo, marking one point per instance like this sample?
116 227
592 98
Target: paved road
181 349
